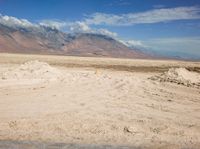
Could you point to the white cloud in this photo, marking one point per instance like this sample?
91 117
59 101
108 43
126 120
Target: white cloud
14 22
107 32
151 16
54 24
84 28
133 43
80 27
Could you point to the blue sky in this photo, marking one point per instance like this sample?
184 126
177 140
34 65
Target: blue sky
165 26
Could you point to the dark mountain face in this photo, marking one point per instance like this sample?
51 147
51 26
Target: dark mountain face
46 40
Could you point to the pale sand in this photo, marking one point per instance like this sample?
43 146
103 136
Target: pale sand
99 108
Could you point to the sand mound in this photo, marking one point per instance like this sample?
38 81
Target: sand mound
180 76
32 70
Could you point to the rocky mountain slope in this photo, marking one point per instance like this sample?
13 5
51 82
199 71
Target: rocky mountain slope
47 40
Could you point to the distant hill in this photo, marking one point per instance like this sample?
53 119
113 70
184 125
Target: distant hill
46 40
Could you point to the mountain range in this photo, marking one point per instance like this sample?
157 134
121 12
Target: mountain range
48 40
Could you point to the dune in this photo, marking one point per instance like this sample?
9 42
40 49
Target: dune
180 76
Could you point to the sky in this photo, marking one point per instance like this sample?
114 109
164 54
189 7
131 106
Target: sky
170 27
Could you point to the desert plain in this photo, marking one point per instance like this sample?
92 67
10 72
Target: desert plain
80 102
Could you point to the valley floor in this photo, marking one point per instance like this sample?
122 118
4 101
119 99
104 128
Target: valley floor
98 107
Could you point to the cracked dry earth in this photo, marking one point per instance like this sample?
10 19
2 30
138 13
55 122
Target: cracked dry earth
89 108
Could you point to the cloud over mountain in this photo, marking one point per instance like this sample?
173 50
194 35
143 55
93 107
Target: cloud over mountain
84 28
19 36
14 22
54 24
80 27
133 43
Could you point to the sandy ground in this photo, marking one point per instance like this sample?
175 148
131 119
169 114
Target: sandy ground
98 106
